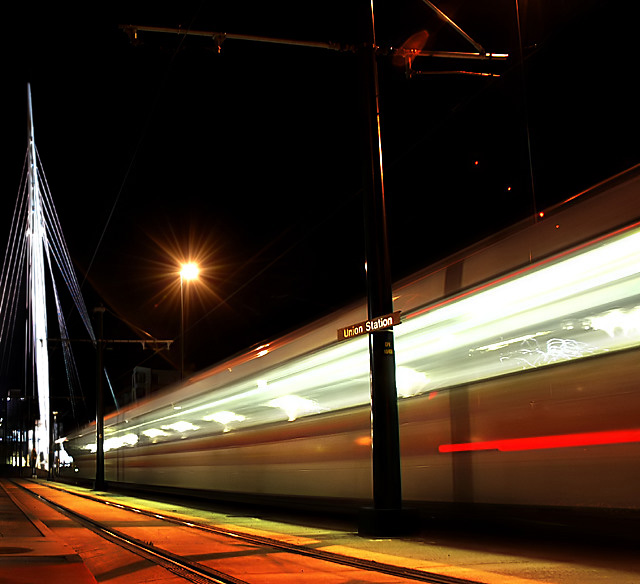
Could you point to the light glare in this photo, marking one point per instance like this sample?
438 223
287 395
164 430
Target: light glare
189 271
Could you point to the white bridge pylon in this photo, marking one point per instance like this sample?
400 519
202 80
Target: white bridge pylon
36 243
37 306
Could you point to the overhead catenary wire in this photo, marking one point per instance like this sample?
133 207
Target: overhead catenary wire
10 280
9 264
134 156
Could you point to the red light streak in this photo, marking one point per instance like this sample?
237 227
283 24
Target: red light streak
547 442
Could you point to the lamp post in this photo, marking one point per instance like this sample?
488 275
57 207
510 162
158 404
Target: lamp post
188 271
52 442
99 483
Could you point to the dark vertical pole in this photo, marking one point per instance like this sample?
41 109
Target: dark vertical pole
181 327
99 481
385 518
50 471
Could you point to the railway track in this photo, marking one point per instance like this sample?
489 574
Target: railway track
155 537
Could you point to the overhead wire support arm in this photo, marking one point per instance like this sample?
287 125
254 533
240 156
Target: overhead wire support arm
152 343
220 37
456 72
407 54
414 47
442 16
482 56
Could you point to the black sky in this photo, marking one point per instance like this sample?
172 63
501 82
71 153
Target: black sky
251 157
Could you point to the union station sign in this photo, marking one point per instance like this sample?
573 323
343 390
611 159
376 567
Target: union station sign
369 326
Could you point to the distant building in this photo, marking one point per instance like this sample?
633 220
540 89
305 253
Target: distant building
17 417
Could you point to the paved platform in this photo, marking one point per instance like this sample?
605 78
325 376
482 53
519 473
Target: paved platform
29 551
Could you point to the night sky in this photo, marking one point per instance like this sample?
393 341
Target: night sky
249 159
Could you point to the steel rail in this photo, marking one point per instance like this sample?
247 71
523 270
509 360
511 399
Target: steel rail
327 556
192 571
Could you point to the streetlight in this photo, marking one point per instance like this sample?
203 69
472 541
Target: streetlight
52 442
188 271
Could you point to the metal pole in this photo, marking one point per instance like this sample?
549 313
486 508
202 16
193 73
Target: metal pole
181 327
50 469
386 517
99 480
56 459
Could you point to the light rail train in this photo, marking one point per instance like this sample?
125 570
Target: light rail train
518 376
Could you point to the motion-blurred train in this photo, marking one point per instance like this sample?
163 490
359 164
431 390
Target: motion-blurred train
518 379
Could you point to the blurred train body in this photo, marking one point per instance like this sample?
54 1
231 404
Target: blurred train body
518 373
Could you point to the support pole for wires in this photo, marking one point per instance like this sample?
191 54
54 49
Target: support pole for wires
386 517
99 483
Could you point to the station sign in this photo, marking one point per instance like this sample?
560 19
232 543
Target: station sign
369 326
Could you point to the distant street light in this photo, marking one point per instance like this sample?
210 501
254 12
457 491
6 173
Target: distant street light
188 271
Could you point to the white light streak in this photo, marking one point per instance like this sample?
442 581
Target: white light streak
224 418
295 406
181 427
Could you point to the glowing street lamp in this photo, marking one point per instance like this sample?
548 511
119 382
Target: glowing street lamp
188 272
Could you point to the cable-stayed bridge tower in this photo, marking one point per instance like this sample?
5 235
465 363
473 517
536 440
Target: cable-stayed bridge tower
35 245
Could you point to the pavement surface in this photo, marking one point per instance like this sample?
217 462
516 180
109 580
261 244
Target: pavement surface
29 551
38 544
